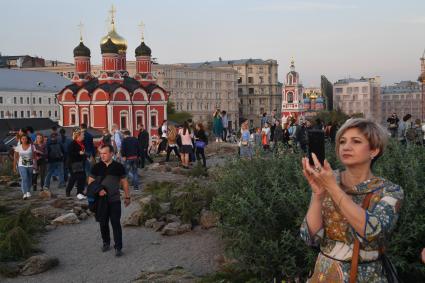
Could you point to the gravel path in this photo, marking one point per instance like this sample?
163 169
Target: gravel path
78 248
81 260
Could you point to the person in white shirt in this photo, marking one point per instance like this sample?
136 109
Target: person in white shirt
24 163
163 134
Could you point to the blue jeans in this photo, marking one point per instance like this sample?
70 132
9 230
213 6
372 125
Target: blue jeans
131 168
26 178
54 168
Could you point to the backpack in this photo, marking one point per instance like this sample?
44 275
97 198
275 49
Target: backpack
55 151
411 134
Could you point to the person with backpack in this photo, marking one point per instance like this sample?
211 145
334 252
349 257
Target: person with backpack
130 152
172 143
65 142
76 160
201 141
55 156
143 138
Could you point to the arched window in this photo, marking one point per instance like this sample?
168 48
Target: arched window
290 79
72 117
154 119
140 118
290 97
124 119
85 113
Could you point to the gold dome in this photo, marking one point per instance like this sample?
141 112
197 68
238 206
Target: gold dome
115 37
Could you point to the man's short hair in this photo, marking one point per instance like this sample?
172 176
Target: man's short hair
111 148
54 128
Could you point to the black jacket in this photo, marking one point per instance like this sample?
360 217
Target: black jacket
130 147
143 138
278 134
200 135
74 153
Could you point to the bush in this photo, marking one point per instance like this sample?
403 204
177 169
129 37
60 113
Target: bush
17 234
262 203
161 190
261 208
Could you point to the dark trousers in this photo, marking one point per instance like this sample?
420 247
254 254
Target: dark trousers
80 179
162 145
225 134
114 214
41 171
200 152
144 155
176 152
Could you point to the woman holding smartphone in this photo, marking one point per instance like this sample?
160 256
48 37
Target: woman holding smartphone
352 213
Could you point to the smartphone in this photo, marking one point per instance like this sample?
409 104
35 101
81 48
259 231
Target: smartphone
316 145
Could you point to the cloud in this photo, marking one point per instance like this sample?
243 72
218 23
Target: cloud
301 6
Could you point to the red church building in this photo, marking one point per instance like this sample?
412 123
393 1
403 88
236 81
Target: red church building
113 97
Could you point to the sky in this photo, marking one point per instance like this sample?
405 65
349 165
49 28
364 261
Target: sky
335 38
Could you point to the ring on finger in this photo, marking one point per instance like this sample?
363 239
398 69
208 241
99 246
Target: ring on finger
318 169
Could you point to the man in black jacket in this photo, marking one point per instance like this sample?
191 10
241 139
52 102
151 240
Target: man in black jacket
143 138
112 176
55 157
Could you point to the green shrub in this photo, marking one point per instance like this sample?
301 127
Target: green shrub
161 190
405 166
17 234
262 203
151 210
188 202
197 171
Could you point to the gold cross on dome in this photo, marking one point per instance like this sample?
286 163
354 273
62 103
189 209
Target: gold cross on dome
80 27
112 11
142 30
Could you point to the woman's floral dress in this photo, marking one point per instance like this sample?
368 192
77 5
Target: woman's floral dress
336 237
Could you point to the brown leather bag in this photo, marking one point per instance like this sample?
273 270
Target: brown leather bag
356 248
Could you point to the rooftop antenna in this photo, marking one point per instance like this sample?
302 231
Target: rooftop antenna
142 30
80 26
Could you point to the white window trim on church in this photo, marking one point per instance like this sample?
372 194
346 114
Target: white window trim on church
73 111
140 113
124 114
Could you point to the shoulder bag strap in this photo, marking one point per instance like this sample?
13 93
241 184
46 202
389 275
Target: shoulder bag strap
356 248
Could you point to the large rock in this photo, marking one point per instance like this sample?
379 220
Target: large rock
176 228
172 218
133 219
46 212
83 216
38 264
59 203
69 218
45 194
149 223
146 200
77 210
209 219
157 226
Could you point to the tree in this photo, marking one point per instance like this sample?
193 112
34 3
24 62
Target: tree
177 117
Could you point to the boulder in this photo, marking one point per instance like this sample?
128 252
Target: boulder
45 194
69 218
209 219
149 223
46 212
172 218
38 264
175 228
171 229
77 210
157 226
133 219
59 203
165 207
146 200
83 216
